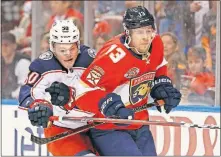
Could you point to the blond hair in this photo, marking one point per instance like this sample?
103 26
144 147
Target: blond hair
174 38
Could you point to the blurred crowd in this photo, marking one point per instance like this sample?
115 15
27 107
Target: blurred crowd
187 29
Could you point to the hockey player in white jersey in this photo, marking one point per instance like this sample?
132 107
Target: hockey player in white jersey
64 62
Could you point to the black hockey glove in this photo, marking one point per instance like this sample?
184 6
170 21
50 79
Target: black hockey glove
39 113
61 95
163 89
112 105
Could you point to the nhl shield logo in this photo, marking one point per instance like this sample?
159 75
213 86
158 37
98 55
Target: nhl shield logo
91 53
132 72
46 55
140 87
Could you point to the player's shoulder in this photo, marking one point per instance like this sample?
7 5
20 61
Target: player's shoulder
113 54
85 57
45 62
86 51
115 40
112 44
115 45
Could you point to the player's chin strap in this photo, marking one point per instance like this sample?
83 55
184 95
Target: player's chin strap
145 55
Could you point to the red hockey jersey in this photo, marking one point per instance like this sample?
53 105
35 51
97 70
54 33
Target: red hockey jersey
119 70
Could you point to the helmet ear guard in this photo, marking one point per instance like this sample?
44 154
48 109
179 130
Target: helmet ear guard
126 30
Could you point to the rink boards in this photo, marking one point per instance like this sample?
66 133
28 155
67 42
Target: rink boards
169 140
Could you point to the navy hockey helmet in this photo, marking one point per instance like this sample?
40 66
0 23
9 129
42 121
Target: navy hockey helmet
137 17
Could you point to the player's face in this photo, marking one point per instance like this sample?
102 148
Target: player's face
141 38
195 64
66 54
169 45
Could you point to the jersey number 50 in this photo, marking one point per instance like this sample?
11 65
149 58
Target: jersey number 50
116 53
32 78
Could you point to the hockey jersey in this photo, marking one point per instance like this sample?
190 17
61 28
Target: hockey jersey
117 69
45 70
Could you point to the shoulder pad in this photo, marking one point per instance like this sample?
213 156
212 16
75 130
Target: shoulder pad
88 51
46 55
45 62
91 52
85 57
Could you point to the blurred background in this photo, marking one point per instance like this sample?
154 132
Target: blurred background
190 31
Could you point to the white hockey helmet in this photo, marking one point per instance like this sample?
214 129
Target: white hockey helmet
64 31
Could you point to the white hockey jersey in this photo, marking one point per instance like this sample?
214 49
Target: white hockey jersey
44 71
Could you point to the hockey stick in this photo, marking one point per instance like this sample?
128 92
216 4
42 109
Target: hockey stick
70 132
62 135
134 122
146 106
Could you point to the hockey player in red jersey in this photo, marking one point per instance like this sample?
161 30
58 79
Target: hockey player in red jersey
65 61
126 71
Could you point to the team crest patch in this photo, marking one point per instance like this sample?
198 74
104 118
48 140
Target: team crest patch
92 53
132 72
46 56
140 87
95 75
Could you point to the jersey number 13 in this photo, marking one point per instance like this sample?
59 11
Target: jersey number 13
116 53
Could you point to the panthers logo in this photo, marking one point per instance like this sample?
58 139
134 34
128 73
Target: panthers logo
140 87
141 91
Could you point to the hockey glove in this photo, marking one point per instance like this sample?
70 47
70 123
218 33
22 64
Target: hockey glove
112 105
39 113
61 95
163 89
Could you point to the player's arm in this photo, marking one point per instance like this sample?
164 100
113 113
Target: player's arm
34 86
103 74
99 79
162 88
96 81
66 98
32 97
